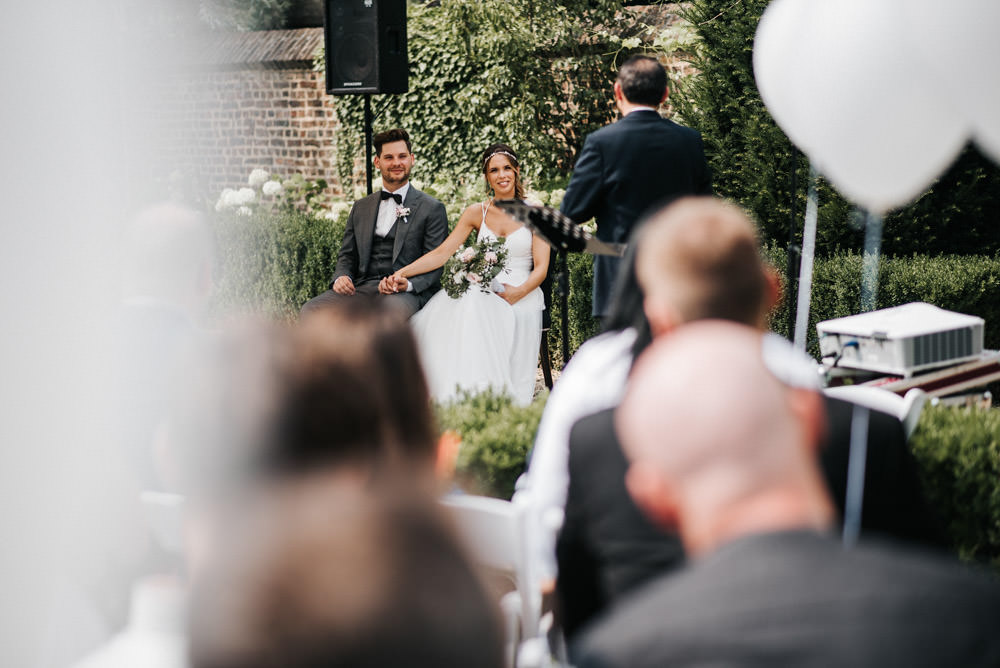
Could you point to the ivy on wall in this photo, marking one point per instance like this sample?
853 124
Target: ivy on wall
530 73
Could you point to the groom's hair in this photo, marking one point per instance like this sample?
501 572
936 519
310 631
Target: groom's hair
389 136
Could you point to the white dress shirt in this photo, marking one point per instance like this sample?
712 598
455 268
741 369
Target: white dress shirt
387 211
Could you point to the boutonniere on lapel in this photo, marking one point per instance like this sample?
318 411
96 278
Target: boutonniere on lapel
404 213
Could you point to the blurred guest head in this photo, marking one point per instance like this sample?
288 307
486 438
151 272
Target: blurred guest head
343 387
699 258
328 570
741 455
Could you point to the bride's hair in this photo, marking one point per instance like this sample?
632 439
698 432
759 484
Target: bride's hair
508 152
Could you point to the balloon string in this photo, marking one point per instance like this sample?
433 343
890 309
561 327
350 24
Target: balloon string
806 266
870 262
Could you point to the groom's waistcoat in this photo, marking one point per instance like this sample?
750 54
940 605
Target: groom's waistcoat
380 261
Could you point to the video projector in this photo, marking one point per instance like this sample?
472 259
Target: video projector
902 340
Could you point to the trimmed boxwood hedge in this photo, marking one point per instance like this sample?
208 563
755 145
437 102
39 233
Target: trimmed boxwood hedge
957 450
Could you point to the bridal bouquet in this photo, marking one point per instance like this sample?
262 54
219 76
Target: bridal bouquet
477 263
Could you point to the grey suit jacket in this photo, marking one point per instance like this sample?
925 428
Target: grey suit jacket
799 598
420 232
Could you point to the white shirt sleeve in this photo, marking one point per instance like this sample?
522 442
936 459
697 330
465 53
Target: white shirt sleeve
593 380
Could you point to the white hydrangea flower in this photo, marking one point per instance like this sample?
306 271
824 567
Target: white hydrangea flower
419 185
245 196
556 196
338 208
244 211
258 177
225 199
532 197
272 188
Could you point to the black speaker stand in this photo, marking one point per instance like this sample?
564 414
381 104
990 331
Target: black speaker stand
369 119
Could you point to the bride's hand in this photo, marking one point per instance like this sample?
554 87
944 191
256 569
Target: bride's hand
512 293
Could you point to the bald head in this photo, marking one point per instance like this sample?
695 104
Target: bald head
699 258
710 431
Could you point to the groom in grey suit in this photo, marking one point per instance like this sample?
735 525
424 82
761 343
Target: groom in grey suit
386 231
767 582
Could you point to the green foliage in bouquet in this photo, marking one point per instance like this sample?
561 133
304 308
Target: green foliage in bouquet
496 438
475 264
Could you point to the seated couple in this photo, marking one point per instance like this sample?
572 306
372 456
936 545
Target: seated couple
395 245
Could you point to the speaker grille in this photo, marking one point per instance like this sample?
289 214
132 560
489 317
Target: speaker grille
355 59
366 46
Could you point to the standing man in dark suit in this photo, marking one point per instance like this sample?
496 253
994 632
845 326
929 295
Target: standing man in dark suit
387 231
768 582
626 168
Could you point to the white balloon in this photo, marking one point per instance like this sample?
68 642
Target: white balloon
960 52
841 79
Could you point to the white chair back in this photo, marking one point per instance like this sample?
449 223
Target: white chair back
906 408
495 533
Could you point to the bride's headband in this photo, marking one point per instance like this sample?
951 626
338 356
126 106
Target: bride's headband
501 152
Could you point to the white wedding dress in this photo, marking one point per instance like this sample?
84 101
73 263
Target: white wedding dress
479 341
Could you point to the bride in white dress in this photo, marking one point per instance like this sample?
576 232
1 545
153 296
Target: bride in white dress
485 340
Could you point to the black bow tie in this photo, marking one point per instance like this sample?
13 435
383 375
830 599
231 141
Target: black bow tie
384 194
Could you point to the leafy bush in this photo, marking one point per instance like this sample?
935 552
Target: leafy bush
496 437
270 263
958 450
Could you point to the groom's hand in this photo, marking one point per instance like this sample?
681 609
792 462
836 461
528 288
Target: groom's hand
393 284
343 285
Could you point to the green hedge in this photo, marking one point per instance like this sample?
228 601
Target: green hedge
958 450
496 438
271 263
966 284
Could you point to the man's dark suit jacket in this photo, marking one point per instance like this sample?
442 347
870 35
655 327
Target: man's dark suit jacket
420 232
624 170
798 598
607 547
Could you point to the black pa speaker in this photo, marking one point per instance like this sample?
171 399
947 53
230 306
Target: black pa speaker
365 46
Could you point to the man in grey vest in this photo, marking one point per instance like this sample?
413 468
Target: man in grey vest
386 231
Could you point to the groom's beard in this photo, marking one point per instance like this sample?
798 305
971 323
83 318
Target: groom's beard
391 182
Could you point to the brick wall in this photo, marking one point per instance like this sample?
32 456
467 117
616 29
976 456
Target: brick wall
216 126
